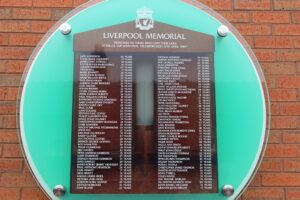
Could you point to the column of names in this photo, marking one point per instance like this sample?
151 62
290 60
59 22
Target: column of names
126 92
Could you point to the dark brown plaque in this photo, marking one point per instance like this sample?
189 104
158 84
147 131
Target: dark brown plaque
144 111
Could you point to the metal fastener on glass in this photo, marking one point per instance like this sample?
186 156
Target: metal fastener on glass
228 190
223 31
65 29
59 190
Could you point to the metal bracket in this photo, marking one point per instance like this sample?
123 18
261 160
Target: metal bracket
65 29
59 191
223 31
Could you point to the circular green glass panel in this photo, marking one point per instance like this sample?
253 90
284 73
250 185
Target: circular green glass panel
47 97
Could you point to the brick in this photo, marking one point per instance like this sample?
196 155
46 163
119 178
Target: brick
79 2
287 29
16 3
275 108
52 3
282 151
218 4
12 151
253 29
234 16
264 194
269 165
283 94
10 80
288 55
21 39
9 193
29 13
15 52
10 179
289 82
297 43
7 107
8 93
1 149
12 66
290 108
87 3
5 13
265 55
293 194
296 17
41 26
14 26
252 4
292 137
279 68
58 13
270 17
3 39
256 181
33 193
287 4
273 42
7 121
281 179
249 40
271 81
26 168
8 136
292 165
11 165
284 122
275 137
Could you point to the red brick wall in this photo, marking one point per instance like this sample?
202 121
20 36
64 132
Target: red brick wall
271 27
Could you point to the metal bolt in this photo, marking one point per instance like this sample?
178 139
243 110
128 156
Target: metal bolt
65 29
228 190
223 31
59 190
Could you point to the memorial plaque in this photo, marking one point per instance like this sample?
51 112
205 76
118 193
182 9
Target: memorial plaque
144 110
